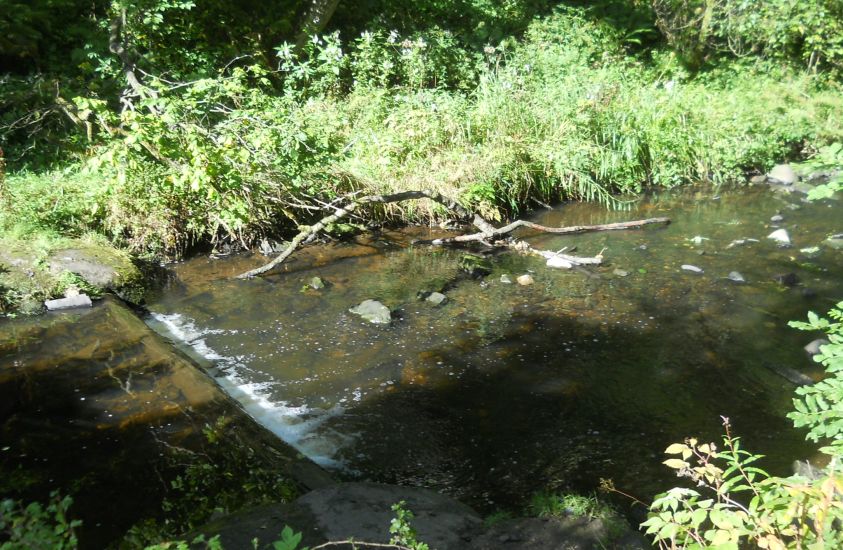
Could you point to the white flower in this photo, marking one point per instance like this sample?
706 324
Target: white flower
393 37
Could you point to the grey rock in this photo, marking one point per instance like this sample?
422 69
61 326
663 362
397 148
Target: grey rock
758 179
373 311
736 277
525 280
265 247
569 533
620 272
783 174
437 298
363 511
316 283
777 218
780 236
505 279
84 265
814 347
692 268
80 300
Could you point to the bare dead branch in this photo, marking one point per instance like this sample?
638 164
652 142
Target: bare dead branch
487 233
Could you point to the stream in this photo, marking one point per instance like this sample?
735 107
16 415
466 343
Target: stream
505 390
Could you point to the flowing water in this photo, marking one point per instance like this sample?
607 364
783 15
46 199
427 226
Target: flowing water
506 389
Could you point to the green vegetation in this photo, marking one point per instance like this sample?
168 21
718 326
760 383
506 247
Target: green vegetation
740 503
228 475
591 507
239 130
35 526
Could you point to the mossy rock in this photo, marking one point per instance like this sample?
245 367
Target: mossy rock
31 272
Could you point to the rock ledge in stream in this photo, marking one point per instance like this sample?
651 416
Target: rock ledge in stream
96 268
362 511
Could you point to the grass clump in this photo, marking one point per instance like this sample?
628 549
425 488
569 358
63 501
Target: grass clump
570 505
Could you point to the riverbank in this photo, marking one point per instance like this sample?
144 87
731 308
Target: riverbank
568 110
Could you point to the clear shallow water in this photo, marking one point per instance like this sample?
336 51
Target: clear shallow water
506 390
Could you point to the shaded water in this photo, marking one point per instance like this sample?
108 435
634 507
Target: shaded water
95 405
506 389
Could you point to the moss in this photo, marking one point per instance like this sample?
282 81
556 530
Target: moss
43 266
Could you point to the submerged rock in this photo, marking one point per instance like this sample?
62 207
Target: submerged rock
792 375
505 279
783 174
373 311
736 277
787 279
316 283
620 272
525 280
476 266
835 241
780 236
692 268
80 300
777 218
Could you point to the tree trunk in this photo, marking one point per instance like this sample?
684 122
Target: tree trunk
319 12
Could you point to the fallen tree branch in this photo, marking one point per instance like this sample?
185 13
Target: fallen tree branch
488 233
485 235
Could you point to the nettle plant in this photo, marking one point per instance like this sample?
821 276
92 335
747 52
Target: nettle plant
736 503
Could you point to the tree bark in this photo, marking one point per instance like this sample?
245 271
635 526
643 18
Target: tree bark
116 46
487 230
316 18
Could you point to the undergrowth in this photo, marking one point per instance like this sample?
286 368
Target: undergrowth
567 112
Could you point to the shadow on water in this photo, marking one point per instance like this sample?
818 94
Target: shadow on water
95 405
505 389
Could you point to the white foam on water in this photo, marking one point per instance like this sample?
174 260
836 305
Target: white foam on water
298 426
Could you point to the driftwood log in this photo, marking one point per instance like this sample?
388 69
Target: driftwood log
487 233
